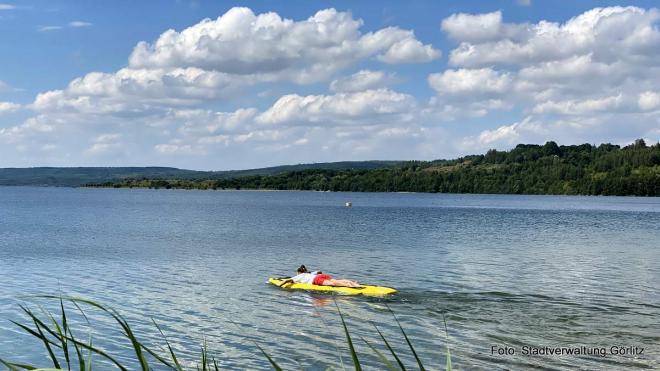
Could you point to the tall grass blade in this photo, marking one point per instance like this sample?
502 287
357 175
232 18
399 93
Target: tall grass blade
56 364
137 346
81 359
387 344
356 361
39 324
270 359
16 366
83 345
341 360
448 360
61 335
157 357
204 359
272 362
448 366
57 333
99 352
58 336
81 312
381 357
174 359
65 343
89 355
32 332
412 349
42 325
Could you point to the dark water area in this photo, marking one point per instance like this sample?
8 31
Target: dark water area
505 271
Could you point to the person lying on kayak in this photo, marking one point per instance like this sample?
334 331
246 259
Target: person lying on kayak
318 278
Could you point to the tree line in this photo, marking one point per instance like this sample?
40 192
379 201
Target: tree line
585 169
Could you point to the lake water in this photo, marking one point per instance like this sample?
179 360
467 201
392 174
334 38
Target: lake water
505 271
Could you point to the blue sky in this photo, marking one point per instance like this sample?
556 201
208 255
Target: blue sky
265 83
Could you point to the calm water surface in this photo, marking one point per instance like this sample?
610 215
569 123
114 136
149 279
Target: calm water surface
506 271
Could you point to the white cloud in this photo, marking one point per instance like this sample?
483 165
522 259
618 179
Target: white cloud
105 143
473 27
572 129
363 80
505 136
4 6
156 108
7 107
580 107
215 139
78 24
469 81
98 148
572 67
240 42
471 93
503 133
32 126
181 149
130 91
592 78
486 40
48 28
105 138
596 64
649 100
268 135
205 122
73 24
409 50
216 59
370 107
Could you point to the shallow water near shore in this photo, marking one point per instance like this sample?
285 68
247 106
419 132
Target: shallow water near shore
507 271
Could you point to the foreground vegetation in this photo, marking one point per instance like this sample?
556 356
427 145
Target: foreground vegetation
584 169
67 351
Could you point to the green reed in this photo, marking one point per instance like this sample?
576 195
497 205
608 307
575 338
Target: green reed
67 352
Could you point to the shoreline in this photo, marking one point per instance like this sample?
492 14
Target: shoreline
318 191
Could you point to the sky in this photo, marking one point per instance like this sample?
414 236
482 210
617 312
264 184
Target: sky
217 85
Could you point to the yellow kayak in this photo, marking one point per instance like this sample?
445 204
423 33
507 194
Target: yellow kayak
364 290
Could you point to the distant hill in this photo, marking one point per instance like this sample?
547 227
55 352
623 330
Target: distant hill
79 176
583 169
342 165
76 176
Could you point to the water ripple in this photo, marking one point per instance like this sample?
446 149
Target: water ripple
502 270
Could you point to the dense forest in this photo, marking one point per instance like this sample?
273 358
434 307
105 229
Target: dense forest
527 169
78 176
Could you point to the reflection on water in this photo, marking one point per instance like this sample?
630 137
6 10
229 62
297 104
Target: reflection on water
321 300
504 270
